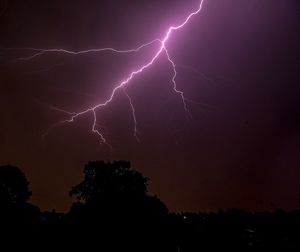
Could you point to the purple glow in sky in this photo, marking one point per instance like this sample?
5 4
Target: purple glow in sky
237 62
163 49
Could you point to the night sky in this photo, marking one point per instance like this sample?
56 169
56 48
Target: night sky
238 64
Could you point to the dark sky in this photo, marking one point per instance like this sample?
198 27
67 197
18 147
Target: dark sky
238 63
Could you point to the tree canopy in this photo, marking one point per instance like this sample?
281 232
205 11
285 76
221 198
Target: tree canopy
109 179
115 189
14 187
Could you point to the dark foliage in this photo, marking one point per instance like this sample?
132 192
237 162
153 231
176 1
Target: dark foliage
104 180
114 212
13 186
15 211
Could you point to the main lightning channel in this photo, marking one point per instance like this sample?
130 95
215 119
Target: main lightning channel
122 85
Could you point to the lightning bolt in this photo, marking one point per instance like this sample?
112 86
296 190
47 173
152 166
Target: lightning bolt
133 115
40 52
162 50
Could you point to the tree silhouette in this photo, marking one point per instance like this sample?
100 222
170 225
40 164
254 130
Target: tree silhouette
114 189
105 179
13 186
113 199
14 195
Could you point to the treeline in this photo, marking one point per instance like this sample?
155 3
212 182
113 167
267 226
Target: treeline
114 212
